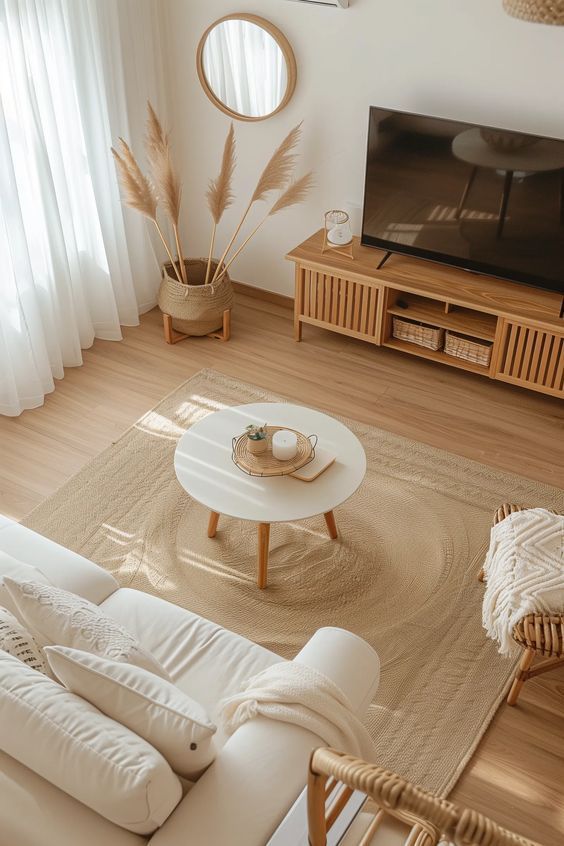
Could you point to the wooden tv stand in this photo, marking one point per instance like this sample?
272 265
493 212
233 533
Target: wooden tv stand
354 297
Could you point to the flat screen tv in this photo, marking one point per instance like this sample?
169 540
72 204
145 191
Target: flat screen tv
488 200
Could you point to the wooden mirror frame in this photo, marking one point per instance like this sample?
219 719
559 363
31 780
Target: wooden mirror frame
287 52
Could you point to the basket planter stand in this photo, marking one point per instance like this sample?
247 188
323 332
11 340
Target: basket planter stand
173 337
196 309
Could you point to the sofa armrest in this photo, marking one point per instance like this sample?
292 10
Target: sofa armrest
347 660
60 566
245 794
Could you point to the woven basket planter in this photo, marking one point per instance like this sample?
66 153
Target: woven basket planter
196 309
537 11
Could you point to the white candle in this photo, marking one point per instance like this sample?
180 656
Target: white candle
340 234
284 445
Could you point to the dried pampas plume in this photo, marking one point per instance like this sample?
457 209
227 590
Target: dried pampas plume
279 169
219 194
165 179
296 192
137 191
155 137
274 177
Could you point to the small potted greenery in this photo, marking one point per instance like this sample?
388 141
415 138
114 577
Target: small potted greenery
256 439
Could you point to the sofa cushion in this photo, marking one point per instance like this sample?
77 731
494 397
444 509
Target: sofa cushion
176 725
82 751
18 642
54 615
58 565
30 804
204 660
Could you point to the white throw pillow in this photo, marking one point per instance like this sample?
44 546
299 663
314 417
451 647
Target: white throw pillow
16 569
54 615
18 642
172 722
82 751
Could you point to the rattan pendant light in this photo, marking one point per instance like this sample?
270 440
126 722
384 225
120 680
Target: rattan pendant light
537 11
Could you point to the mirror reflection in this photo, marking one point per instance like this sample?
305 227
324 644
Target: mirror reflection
245 68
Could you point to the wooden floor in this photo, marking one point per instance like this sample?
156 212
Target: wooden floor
517 775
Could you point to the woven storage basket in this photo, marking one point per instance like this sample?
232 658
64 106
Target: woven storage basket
538 11
469 349
418 333
196 309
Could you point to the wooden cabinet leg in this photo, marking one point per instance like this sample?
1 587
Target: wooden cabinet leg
331 525
263 542
212 524
521 676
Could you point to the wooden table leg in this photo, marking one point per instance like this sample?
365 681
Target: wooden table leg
263 541
331 525
212 524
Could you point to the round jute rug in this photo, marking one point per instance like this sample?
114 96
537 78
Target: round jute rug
402 575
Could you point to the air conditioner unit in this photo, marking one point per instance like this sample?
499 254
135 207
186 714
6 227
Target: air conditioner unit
342 4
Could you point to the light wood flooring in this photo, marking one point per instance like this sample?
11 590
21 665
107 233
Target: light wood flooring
517 774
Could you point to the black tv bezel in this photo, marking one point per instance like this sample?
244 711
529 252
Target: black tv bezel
530 279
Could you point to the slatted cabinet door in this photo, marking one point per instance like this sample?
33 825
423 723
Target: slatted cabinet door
532 358
349 306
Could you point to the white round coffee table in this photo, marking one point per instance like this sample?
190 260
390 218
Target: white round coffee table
205 469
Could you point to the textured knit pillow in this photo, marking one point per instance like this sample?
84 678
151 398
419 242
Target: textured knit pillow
54 615
18 642
173 723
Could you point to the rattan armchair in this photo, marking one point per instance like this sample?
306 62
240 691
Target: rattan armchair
540 635
428 818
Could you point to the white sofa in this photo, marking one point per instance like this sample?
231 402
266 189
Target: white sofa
258 771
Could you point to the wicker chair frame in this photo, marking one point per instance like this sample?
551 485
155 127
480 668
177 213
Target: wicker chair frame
540 635
431 817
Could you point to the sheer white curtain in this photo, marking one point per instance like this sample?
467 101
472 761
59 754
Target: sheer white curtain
245 67
73 266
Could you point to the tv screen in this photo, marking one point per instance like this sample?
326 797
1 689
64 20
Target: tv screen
484 199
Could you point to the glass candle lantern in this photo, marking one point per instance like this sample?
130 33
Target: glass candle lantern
337 233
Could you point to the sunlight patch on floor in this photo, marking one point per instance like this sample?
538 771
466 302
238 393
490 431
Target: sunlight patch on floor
118 536
159 426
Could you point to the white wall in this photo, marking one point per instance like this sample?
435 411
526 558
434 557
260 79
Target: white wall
464 59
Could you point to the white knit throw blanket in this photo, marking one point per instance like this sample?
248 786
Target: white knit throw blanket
294 693
524 572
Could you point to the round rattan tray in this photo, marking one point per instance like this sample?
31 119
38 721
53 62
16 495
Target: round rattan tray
265 464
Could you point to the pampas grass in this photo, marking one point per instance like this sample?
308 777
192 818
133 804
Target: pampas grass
138 192
295 193
274 177
165 180
164 190
219 194
278 171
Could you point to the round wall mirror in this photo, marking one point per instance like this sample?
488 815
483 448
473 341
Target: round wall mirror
246 67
